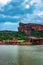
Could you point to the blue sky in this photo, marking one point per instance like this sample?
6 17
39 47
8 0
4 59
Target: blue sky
14 11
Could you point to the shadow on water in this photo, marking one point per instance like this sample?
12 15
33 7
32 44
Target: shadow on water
21 55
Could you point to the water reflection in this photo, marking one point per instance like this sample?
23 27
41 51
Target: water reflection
30 56
8 55
21 55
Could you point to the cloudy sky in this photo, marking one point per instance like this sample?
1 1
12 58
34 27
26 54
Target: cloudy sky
14 11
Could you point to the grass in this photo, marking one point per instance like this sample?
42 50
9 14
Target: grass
21 40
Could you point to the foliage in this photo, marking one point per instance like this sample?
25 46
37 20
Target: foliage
19 35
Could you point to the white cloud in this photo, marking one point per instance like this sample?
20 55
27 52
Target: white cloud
4 2
26 0
35 1
40 13
13 17
28 3
10 23
38 3
9 26
5 16
33 18
27 6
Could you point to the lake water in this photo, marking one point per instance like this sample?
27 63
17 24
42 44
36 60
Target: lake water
21 55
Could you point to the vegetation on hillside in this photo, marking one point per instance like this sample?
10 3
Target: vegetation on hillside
8 35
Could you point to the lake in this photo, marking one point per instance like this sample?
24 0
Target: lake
21 55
